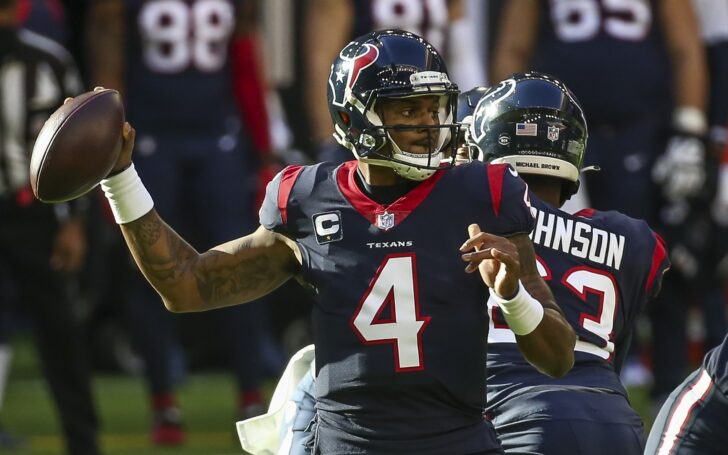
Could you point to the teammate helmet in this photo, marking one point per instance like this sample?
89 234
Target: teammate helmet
533 122
467 101
390 64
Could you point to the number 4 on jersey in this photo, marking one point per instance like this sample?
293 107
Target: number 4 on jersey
393 288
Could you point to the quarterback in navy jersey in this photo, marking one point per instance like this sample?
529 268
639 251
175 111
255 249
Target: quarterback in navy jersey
400 327
693 419
601 266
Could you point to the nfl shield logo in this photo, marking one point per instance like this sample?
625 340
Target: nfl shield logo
385 221
552 133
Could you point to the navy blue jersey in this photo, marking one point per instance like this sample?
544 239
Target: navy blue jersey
602 267
611 54
400 329
693 419
427 18
178 73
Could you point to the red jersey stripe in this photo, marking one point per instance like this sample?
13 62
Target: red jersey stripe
658 257
288 179
586 213
495 180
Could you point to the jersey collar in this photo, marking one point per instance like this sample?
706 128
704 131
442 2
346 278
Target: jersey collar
382 217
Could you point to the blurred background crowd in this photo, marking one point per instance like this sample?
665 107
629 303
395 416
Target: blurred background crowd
224 93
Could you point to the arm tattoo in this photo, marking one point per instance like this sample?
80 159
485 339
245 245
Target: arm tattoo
240 271
217 282
149 231
156 260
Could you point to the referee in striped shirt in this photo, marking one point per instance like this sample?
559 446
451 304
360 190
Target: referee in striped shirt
41 244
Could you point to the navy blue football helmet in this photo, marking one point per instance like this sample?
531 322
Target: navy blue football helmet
467 101
533 122
390 64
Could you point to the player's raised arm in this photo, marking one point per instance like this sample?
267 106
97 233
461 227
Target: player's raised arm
508 267
238 271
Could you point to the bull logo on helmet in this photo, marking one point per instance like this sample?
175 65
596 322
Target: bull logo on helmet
343 77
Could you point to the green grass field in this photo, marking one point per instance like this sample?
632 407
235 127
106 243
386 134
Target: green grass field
206 399
208 402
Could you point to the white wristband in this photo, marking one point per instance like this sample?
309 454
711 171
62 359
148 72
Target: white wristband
523 313
128 198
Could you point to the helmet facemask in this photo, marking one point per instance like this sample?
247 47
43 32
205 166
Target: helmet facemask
387 143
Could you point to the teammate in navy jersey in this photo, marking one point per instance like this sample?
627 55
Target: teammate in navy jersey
601 266
694 418
400 328
173 60
639 69
713 20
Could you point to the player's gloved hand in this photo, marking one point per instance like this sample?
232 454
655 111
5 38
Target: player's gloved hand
681 168
720 202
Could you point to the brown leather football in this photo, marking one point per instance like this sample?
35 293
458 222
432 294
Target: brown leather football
77 146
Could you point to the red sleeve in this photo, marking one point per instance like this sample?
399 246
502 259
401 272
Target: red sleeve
249 92
660 265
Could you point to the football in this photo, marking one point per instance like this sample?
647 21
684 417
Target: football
77 146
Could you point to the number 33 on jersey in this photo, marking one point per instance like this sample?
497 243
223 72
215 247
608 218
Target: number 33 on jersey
602 267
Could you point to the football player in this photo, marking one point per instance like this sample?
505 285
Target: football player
601 266
180 65
713 19
693 419
647 121
399 325
284 430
